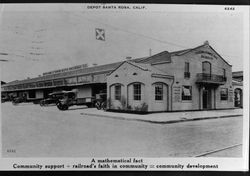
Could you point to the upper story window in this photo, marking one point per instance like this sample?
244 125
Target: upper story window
71 80
48 83
186 93
224 72
223 94
186 70
118 92
137 91
58 82
40 84
206 67
159 91
186 66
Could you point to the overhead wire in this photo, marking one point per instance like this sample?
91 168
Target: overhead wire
140 34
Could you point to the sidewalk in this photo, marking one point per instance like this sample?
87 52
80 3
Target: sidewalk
166 117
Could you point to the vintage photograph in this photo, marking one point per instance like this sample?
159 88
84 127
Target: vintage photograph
103 80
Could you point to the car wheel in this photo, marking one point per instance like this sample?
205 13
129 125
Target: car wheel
65 107
104 106
41 103
14 102
98 105
59 106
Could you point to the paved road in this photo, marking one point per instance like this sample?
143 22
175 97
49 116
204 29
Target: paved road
32 131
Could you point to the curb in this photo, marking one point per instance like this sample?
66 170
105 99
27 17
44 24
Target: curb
162 122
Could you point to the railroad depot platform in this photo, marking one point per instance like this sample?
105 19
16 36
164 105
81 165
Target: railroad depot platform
166 117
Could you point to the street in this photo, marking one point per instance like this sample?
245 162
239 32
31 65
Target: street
29 130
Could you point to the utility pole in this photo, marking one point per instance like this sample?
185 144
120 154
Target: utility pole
150 52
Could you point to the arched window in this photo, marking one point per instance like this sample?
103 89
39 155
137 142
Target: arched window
118 92
137 91
206 67
158 91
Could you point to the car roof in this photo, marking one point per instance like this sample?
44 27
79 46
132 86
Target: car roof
56 93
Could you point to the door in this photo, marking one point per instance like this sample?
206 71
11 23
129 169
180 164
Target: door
207 99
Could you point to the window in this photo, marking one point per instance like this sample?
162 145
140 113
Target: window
71 80
186 69
223 94
118 92
137 91
224 72
31 85
32 94
206 67
40 84
99 78
20 86
159 91
58 82
187 93
47 84
83 79
186 66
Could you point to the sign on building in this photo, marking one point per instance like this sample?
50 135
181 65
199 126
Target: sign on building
177 93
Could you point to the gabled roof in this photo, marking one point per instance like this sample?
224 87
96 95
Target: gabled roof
161 57
181 52
142 66
157 58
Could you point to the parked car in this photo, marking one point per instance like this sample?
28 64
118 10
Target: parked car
101 100
52 99
4 99
18 100
71 98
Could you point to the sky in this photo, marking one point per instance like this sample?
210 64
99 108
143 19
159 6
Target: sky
34 40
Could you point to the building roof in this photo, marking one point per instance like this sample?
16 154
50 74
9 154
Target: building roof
148 67
144 67
181 52
161 57
237 74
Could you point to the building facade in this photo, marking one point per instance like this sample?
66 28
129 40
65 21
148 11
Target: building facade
192 79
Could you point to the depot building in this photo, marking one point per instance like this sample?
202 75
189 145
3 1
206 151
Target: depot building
191 79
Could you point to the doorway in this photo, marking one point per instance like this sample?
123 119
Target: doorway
238 98
206 98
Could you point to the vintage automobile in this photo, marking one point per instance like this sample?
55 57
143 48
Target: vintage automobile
4 99
52 99
71 98
18 100
101 100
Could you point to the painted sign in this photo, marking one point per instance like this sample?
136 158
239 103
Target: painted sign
230 95
206 54
66 69
177 93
